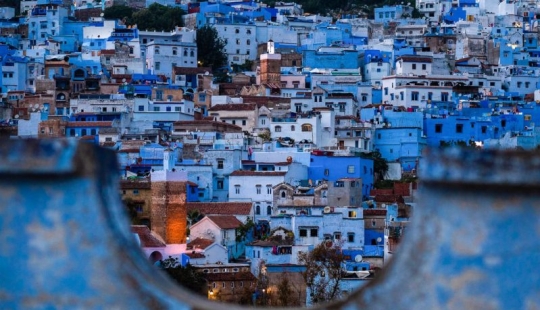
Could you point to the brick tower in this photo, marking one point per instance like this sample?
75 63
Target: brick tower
168 213
270 66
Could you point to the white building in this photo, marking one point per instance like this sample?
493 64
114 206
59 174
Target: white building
240 41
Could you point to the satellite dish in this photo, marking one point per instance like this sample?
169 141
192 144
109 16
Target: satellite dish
102 14
379 240
429 106
36 106
16 116
358 258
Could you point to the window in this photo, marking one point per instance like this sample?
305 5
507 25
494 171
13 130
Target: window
257 209
278 129
219 184
313 232
484 129
158 66
350 237
444 97
135 192
292 127
326 172
156 50
414 96
175 52
268 189
414 66
459 128
424 67
156 109
306 127
220 163
248 41
337 236
244 122
438 128
303 232
269 210
350 169
237 189
258 189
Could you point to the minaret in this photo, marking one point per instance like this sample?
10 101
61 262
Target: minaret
270 66
168 213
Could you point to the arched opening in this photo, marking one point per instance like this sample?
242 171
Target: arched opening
306 127
269 210
257 209
79 73
155 257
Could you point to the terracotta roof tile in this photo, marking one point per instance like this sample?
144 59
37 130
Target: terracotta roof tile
195 255
220 208
197 70
199 243
234 107
148 239
225 221
374 212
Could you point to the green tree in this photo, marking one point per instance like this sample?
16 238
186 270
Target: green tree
187 277
121 12
210 48
158 17
380 165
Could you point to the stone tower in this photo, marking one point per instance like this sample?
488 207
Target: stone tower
270 66
168 213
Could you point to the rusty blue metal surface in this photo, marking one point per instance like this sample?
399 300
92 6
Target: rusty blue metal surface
65 241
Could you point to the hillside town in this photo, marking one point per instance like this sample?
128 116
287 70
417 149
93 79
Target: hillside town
297 151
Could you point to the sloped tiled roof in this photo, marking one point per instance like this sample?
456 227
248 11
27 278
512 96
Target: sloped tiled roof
234 107
225 221
195 255
148 239
197 70
200 243
220 208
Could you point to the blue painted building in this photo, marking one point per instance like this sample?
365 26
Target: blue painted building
400 144
332 168
346 59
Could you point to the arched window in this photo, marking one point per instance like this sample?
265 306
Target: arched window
185 53
175 51
191 53
257 209
278 128
283 194
306 127
83 132
269 210
79 73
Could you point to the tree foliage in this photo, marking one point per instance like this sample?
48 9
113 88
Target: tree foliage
380 165
121 12
210 48
323 273
158 17
187 277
